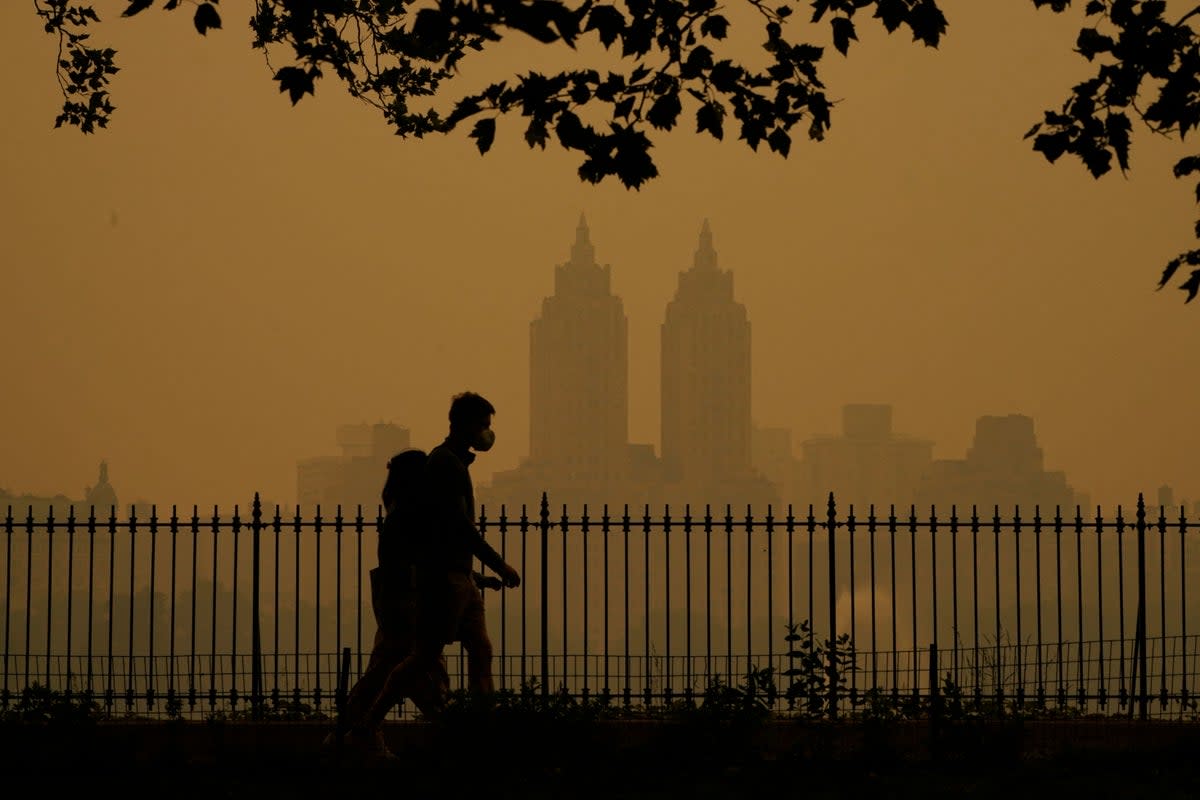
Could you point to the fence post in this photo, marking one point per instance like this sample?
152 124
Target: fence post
1139 646
833 637
256 689
544 526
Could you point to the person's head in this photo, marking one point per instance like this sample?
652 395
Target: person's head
471 420
403 472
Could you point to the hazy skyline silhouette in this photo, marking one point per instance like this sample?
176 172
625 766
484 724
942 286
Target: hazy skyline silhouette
211 286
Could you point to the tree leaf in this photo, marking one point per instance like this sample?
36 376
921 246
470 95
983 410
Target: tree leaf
843 32
136 7
709 118
295 81
484 133
206 18
664 111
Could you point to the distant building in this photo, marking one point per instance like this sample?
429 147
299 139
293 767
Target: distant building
579 397
1003 467
867 463
705 363
102 495
579 450
356 476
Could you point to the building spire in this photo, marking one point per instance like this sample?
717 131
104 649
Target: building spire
705 257
582 252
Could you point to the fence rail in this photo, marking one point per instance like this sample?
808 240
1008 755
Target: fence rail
200 615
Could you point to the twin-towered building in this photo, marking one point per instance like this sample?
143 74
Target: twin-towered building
711 454
579 448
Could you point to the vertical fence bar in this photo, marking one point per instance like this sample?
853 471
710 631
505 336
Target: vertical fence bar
296 690
708 592
359 532
666 601
1061 693
172 700
8 533
1124 696
975 603
544 530
912 571
583 531
276 528
728 593
871 526
831 525
892 556
687 601
235 533
129 668
1081 693
90 607
524 595
317 605
150 604
195 526
999 667
604 531
1037 582
625 529
954 591
1099 603
1140 644
1020 660
749 601
337 579
566 626
50 590
646 665
850 525
110 688
256 676
70 593
1162 603
29 590
770 524
933 615
1183 673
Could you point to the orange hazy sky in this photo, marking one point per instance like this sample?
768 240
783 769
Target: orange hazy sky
202 293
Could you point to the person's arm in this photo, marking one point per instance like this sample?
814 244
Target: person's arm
446 476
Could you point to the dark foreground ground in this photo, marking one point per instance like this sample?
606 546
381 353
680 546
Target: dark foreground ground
527 758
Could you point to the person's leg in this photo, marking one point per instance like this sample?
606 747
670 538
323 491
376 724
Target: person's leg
474 636
414 677
391 645
385 655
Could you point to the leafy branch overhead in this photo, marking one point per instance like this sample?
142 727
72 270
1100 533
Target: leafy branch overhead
402 56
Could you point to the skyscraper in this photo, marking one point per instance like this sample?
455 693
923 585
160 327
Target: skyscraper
579 447
706 425
579 371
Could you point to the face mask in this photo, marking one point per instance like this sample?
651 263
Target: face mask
485 440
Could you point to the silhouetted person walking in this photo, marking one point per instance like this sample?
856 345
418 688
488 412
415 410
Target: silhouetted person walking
394 603
449 603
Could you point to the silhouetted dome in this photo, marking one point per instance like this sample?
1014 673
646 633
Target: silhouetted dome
102 495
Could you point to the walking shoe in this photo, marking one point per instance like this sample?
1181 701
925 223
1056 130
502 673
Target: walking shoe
369 747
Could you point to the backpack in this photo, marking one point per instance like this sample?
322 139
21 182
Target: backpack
402 496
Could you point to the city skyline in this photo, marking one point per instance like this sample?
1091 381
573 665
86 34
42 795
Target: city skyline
201 312
633 469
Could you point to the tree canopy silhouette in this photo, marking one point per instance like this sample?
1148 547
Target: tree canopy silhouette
402 57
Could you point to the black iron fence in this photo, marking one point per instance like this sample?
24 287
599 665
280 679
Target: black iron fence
201 615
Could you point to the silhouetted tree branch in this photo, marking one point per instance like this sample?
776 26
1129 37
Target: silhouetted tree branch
401 56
